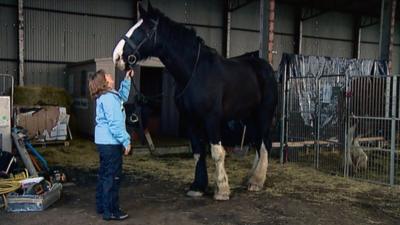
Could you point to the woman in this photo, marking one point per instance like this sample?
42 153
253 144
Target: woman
111 140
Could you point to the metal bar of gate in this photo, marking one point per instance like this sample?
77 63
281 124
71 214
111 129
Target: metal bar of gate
346 122
283 118
393 130
317 120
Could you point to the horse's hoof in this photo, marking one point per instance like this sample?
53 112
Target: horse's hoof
254 187
194 194
221 197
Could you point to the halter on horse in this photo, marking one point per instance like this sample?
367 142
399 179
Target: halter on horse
210 90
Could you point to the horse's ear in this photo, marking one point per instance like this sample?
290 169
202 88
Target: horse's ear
142 11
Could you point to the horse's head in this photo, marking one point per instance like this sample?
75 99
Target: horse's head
139 42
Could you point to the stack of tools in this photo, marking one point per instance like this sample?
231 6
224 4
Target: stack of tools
26 182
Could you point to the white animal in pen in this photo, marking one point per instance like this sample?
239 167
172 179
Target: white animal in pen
356 155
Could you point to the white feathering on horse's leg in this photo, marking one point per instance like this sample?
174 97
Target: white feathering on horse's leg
222 190
255 163
257 180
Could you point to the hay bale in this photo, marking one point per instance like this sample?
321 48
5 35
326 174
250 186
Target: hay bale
41 95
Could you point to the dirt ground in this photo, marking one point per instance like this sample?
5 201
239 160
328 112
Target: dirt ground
153 193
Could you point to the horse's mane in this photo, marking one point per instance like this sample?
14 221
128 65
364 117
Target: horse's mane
177 32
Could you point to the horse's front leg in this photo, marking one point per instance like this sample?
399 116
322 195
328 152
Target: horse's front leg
200 182
222 190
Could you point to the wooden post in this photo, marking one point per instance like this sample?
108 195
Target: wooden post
21 41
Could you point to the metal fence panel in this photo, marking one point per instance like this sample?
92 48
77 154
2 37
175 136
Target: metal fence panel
330 118
344 125
300 129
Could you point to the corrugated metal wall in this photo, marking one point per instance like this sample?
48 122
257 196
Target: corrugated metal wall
326 37
8 40
243 40
329 34
204 16
58 32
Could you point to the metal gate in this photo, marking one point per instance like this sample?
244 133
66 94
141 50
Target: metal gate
343 125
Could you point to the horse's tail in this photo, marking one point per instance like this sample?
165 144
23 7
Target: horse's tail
270 93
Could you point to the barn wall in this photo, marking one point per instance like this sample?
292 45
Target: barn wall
370 42
324 36
57 33
245 30
206 17
8 40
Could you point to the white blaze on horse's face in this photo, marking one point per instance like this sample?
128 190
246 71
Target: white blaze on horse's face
119 49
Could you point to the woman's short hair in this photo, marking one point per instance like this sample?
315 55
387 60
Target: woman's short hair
98 84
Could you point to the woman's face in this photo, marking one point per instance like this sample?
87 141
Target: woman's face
110 81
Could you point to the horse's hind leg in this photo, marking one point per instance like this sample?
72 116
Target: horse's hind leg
259 171
260 164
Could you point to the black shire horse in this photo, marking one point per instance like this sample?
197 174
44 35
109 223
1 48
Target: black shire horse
211 90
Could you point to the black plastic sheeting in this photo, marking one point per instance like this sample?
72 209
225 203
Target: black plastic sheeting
312 70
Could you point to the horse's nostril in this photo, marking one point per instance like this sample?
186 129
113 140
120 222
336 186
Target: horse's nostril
118 57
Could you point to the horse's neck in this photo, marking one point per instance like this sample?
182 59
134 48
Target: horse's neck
176 59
